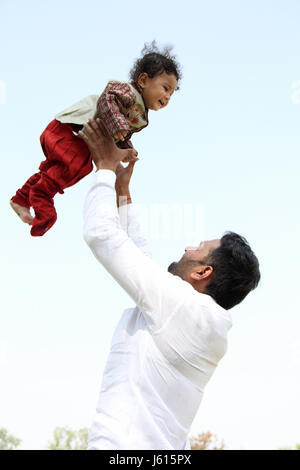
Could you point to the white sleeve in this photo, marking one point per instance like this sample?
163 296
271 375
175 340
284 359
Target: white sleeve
131 224
156 292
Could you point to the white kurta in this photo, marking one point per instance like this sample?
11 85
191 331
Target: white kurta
163 351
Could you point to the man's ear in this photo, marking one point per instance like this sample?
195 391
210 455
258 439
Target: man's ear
142 79
203 272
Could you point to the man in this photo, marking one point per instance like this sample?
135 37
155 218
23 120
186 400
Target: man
165 349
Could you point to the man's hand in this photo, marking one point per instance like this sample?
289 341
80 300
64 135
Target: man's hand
105 154
124 175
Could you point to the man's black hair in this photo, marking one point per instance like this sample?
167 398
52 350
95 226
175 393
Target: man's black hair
155 62
236 271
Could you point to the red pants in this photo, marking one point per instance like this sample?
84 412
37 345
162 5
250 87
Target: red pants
68 160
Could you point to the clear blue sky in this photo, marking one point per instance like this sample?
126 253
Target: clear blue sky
228 145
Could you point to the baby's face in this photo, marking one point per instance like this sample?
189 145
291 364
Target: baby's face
158 90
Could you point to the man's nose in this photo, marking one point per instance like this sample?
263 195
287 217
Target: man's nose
190 248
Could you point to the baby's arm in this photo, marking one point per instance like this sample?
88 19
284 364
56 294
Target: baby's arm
112 106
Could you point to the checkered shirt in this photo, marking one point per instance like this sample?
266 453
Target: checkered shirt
122 107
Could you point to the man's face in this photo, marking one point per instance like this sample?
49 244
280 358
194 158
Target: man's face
192 256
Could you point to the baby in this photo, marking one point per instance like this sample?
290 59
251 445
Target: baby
124 109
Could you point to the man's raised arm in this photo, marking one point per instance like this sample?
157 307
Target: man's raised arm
129 220
157 292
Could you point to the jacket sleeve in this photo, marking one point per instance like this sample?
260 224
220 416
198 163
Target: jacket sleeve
113 105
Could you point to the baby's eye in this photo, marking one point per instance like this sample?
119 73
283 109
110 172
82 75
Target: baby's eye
166 89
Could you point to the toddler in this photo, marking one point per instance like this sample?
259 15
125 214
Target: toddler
124 109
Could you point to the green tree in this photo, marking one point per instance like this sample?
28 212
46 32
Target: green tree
68 439
8 441
297 447
206 441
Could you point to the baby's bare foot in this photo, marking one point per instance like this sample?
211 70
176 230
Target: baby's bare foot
23 212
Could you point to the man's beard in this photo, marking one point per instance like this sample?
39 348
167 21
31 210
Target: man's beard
180 268
177 268
173 268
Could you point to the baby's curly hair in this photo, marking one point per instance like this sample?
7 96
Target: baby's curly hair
154 62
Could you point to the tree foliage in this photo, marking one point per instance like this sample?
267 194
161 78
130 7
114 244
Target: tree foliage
8 441
206 441
68 439
297 447
65 438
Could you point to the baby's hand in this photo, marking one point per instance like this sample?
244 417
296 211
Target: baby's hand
120 135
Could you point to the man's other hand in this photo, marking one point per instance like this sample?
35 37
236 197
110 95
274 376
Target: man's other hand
124 174
105 154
